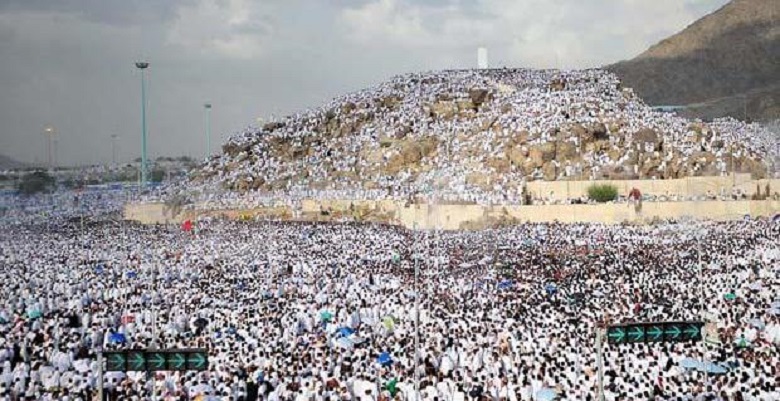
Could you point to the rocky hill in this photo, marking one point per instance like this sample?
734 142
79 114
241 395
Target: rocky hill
476 133
725 64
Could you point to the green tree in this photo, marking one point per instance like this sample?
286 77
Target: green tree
35 182
602 192
157 175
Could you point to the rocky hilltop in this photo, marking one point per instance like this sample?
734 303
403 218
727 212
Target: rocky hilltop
725 64
472 132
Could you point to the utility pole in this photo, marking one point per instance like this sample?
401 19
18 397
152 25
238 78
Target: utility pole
207 107
114 137
701 233
600 362
416 316
48 131
144 173
56 142
100 373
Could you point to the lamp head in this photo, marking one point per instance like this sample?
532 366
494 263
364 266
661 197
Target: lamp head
207 105
142 65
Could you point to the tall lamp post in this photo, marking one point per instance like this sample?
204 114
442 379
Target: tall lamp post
207 108
48 131
54 158
114 137
141 65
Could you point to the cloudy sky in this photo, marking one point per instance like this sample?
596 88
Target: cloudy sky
69 63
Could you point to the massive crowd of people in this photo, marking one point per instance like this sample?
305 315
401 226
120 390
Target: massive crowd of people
348 311
316 311
343 148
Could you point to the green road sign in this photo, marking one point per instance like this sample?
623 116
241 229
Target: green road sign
636 334
115 361
136 361
654 332
155 360
177 360
197 360
692 331
673 332
616 335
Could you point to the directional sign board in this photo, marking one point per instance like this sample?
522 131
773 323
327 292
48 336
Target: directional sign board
654 332
116 361
156 360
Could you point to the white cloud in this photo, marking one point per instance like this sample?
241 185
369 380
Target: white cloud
534 33
232 28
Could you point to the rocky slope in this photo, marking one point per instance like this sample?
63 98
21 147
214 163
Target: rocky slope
725 64
480 132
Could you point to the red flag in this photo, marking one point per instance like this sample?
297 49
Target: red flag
187 226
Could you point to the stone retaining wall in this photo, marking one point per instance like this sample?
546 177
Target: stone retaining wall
454 217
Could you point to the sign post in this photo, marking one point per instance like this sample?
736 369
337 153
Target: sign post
655 332
100 375
651 332
156 360
600 361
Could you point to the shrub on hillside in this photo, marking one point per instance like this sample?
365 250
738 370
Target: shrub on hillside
602 192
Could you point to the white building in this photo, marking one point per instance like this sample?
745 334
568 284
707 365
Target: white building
482 58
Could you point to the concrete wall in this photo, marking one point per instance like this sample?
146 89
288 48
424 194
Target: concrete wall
453 217
692 186
149 213
474 216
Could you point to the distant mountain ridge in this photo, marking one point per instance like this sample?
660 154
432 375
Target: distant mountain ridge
7 163
726 63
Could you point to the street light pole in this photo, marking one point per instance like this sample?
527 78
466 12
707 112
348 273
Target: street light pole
113 149
416 316
56 142
48 131
144 174
207 107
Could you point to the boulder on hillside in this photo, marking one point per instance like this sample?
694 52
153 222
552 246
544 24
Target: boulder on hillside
591 133
549 171
232 149
648 136
649 168
499 164
480 180
390 101
479 96
443 110
579 132
518 138
599 131
465 106
543 153
273 126
757 169
565 151
403 131
516 155
348 107
558 84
